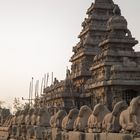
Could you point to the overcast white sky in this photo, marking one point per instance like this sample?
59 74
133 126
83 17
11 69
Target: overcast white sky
37 36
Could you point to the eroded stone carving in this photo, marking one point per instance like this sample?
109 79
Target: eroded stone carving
96 118
43 118
14 124
29 127
111 120
68 121
28 116
80 123
42 123
56 120
130 118
34 116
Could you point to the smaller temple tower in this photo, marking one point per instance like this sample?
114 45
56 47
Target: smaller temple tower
60 95
116 69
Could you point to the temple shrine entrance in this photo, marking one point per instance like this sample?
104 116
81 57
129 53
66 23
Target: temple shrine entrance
128 95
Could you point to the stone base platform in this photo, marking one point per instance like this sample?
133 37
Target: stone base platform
100 136
57 134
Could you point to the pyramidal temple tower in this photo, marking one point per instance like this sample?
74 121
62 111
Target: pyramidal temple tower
93 32
105 68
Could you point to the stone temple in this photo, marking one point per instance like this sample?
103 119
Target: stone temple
105 68
99 99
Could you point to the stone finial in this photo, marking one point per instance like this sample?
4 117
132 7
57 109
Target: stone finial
117 10
117 25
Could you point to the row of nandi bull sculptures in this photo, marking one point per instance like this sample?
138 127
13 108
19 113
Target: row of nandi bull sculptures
37 123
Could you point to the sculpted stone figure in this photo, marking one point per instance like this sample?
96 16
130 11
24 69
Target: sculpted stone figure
56 120
19 122
43 118
52 121
111 120
80 123
56 125
21 117
96 118
68 121
130 118
28 122
14 119
40 119
23 126
28 116
34 116
59 117
30 130
14 124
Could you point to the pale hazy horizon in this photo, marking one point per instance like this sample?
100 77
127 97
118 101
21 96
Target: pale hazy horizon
37 36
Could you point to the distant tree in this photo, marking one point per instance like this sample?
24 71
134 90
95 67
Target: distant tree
17 105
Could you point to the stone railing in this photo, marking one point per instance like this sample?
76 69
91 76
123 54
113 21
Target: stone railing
84 124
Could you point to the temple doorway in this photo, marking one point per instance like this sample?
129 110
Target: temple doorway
128 95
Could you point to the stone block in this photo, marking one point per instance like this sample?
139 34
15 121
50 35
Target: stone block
76 136
115 136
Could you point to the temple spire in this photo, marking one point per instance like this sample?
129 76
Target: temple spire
117 11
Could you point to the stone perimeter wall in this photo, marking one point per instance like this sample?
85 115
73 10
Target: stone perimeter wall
123 123
60 135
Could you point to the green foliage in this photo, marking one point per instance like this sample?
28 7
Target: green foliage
17 105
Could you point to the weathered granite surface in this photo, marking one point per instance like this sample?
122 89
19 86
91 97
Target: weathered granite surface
100 96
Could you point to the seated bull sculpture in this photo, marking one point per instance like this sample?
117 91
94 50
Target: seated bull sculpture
96 118
28 116
28 121
56 120
130 118
43 118
80 123
68 121
14 124
34 116
111 120
42 123
30 130
20 123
